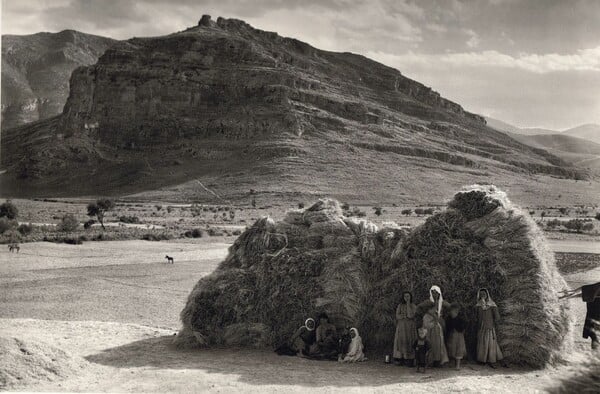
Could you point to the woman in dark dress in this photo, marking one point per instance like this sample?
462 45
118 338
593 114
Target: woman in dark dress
488 350
304 338
406 330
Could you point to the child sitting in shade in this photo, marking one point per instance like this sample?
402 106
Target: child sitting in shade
421 347
455 337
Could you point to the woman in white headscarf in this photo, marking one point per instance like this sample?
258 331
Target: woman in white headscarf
433 321
488 350
304 338
355 349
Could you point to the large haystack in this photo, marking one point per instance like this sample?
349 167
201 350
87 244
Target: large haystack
277 274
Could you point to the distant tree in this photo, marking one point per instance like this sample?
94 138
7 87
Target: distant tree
406 212
68 223
428 211
378 211
158 207
563 210
99 209
8 210
345 206
543 215
25 229
419 211
7 224
587 227
300 205
575 224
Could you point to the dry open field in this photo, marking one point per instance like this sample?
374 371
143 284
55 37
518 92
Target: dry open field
112 310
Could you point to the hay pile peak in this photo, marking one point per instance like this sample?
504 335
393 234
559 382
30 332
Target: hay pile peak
316 260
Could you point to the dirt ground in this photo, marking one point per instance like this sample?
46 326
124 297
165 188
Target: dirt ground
113 307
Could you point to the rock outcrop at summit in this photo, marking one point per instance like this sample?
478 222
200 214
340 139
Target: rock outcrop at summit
241 107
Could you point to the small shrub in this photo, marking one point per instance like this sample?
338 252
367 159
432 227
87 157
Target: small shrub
156 237
236 232
419 211
68 223
563 210
87 225
587 227
378 211
25 229
7 224
597 216
158 207
215 232
195 233
406 212
346 206
428 211
129 219
8 210
300 205
553 223
72 240
170 209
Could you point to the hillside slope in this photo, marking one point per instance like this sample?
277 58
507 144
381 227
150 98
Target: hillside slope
237 108
589 132
36 69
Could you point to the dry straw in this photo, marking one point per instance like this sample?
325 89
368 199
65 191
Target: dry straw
278 274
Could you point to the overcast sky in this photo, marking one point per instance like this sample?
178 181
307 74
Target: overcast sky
527 62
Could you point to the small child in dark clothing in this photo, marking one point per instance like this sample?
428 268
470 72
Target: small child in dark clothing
421 346
455 335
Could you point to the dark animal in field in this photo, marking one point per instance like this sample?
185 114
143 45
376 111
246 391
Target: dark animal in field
170 259
14 248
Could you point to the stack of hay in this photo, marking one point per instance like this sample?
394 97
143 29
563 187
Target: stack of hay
277 274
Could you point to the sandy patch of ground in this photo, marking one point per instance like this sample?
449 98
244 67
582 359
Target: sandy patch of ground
112 307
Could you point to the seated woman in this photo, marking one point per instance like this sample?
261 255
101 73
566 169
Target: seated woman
304 338
324 325
355 350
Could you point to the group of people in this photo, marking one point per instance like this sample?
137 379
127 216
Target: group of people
441 335
323 342
430 341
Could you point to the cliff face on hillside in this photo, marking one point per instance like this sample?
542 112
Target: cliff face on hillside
244 108
36 70
229 79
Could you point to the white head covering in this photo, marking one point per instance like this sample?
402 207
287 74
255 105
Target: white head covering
306 324
355 349
488 303
440 301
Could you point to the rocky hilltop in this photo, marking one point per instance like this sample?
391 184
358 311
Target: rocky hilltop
36 69
237 108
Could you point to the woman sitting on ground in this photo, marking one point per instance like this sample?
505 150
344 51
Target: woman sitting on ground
355 350
301 342
488 350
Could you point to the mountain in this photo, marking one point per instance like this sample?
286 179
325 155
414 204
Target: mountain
36 70
579 151
590 132
225 107
506 127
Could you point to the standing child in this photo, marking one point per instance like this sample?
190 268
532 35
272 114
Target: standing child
455 338
421 347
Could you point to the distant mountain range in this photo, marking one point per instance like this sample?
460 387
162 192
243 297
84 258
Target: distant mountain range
579 146
246 113
36 69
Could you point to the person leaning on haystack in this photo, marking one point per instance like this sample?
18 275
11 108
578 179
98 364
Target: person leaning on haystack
488 349
590 294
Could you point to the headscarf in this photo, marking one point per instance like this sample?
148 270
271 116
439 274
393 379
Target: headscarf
440 300
488 303
306 324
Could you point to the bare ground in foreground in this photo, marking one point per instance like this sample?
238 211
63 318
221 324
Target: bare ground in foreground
113 306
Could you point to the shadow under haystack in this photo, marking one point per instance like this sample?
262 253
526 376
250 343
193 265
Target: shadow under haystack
279 273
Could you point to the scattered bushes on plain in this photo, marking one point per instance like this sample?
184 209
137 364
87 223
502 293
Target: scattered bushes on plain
406 212
195 233
8 210
25 229
68 223
129 219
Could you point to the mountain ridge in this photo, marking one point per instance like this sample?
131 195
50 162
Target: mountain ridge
241 109
36 70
